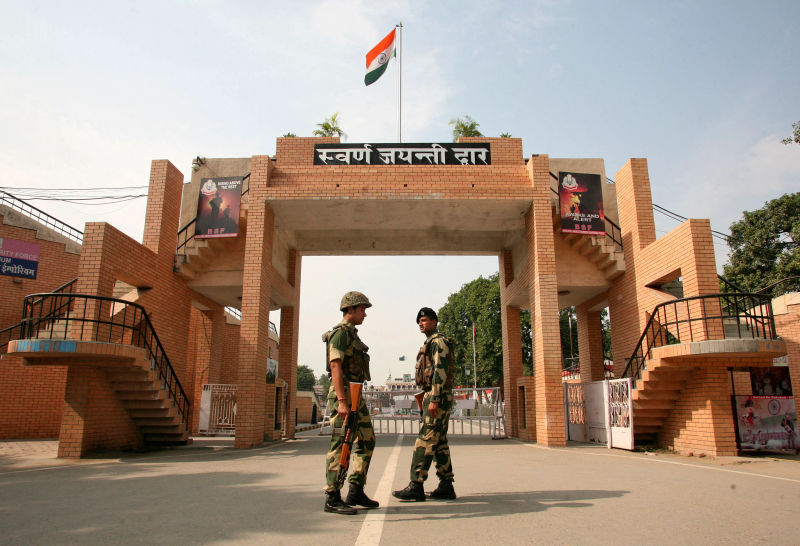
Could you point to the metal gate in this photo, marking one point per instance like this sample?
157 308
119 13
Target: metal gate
476 412
218 410
600 412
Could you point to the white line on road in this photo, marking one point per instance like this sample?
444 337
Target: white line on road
372 528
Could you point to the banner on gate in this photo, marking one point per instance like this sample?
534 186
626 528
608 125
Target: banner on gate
580 197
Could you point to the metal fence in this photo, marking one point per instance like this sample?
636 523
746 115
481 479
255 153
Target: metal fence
476 412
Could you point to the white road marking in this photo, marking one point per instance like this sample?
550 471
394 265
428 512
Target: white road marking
372 528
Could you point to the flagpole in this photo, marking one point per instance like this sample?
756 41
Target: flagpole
474 358
400 82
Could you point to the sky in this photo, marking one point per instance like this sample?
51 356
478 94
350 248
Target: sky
92 92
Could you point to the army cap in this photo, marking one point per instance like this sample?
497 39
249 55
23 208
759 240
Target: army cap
354 299
427 312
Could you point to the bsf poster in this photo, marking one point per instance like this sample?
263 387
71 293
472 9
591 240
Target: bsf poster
218 207
580 197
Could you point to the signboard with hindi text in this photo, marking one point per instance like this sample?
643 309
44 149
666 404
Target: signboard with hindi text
403 154
18 258
580 197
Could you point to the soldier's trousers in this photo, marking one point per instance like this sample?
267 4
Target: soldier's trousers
431 442
363 445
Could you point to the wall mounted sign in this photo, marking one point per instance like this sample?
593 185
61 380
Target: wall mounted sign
580 197
218 207
403 154
18 258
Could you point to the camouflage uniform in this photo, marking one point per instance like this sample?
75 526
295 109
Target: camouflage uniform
344 344
431 442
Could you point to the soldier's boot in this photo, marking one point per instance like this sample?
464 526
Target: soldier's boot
444 491
335 504
413 492
357 497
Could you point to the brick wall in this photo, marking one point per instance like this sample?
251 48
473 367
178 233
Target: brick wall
32 399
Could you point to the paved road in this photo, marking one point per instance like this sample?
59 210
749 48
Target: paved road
509 492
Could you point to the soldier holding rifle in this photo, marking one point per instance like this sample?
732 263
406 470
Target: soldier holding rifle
347 362
435 374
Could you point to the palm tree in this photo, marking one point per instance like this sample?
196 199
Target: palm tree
329 127
464 127
505 135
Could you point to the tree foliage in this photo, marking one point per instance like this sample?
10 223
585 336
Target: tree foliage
505 135
764 244
795 134
329 127
325 382
305 378
466 127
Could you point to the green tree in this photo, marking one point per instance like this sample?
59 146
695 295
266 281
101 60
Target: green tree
476 302
330 127
325 382
764 244
289 135
795 134
568 324
305 378
505 135
466 127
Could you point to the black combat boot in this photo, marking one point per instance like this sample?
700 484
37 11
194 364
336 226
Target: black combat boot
334 503
444 491
412 492
356 496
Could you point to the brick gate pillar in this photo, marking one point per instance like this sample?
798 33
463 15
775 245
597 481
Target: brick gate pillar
512 346
287 354
254 330
543 297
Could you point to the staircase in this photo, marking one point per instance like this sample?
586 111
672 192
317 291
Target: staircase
140 391
599 250
128 352
654 397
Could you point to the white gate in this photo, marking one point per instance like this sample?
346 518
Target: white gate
600 412
218 410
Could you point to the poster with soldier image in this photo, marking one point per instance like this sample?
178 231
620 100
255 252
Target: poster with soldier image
580 197
218 207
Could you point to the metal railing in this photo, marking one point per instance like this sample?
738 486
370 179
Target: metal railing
7 334
702 318
780 287
40 216
476 412
187 232
613 231
97 318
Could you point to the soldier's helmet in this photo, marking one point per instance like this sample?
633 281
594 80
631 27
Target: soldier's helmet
353 299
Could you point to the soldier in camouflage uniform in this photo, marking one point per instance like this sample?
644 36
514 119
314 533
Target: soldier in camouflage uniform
347 361
435 374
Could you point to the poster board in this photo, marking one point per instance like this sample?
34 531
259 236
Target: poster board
580 197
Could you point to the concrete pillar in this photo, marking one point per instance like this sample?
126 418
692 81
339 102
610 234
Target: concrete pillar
254 330
543 297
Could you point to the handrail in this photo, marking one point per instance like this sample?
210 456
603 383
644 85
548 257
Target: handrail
6 334
779 282
730 286
612 230
40 216
672 322
183 232
111 322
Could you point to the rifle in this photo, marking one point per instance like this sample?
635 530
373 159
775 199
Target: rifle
418 397
350 430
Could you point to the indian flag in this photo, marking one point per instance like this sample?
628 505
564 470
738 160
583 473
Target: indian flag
378 57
